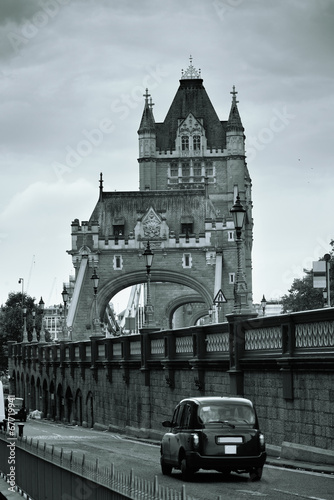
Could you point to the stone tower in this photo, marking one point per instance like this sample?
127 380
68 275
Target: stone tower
192 167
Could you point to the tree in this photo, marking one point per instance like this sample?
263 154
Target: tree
11 321
303 296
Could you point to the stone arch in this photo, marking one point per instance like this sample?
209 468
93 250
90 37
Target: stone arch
89 410
38 395
78 408
45 399
115 285
22 389
53 406
178 302
68 409
60 403
32 394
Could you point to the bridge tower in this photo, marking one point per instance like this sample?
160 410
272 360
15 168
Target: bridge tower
192 166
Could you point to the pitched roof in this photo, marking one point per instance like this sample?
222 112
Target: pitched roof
191 97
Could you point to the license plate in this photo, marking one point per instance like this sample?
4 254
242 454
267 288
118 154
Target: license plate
229 440
230 449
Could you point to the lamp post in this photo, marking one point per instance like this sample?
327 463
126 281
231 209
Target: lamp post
65 300
149 309
96 321
34 333
41 312
240 299
263 305
25 333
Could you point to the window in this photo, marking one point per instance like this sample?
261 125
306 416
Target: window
187 261
186 229
118 262
197 142
197 169
118 231
185 143
174 170
231 278
230 236
185 170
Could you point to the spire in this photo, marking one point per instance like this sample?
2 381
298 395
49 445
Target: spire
101 186
234 120
147 123
191 73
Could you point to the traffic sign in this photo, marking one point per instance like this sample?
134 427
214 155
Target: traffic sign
219 298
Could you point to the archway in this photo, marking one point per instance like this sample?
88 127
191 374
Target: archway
90 410
45 399
112 287
53 405
68 404
60 403
78 415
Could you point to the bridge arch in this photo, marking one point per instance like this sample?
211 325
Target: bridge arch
174 304
113 286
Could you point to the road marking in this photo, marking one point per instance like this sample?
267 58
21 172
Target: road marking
299 496
253 493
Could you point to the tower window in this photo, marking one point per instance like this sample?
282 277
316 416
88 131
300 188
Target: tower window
185 170
185 143
186 261
197 169
186 229
118 231
231 236
231 278
118 262
174 171
197 142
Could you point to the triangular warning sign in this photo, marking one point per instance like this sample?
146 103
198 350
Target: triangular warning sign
219 298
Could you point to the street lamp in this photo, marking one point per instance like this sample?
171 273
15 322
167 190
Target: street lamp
65 300
41 312
25 333
263 305
95 279
34 333
149 309
238 213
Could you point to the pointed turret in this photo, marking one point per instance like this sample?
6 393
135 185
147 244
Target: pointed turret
234 120
147 147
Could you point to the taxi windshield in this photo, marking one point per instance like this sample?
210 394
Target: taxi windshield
223 412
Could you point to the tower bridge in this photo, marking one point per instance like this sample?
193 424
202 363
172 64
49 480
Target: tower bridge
192 167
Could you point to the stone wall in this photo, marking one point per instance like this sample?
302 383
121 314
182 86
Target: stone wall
284 364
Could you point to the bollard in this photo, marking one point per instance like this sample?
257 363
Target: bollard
20 426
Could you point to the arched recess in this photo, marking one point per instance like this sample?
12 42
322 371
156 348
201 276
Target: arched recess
178 302
113 286
38 395
78 415
60 403
53 407
90 410
32 394
45 399
22 389
68 405
202 313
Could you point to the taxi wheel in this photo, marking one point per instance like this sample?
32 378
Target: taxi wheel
166 469
186 471
256 474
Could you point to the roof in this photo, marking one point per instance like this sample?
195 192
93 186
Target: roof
213 399
191 97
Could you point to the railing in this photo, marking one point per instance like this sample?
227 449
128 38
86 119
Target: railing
42 471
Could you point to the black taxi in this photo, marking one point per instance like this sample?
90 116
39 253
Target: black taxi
213 433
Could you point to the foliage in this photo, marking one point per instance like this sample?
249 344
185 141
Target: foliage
303 296
11 321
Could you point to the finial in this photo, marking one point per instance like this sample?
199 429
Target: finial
151 104
101 185
146 95
191 73
234 93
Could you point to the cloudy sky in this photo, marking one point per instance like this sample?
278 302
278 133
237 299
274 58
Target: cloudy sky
72 75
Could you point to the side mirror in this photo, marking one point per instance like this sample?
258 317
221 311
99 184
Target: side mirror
166 423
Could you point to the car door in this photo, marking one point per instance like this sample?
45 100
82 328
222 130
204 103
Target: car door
176 434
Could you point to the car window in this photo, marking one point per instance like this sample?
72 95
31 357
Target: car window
177 416
186 417
224 412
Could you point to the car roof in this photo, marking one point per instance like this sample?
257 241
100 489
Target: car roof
215 399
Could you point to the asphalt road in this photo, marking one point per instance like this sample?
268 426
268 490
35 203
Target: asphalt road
143 458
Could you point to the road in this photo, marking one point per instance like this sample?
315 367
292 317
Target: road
143 458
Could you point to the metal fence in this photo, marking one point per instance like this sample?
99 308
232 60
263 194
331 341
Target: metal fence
40 471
